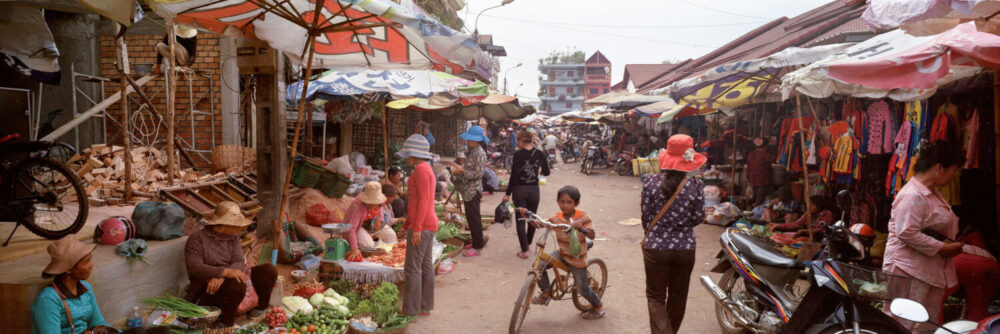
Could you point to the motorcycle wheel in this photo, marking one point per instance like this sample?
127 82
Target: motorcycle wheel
624 168
866 328
730 283
588 166
566 158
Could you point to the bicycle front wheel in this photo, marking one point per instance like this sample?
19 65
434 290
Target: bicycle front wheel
52 199
523 302
597 274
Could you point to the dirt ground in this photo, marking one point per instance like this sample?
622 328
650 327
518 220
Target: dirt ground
479 296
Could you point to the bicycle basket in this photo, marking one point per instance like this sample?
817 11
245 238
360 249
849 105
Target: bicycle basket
873 285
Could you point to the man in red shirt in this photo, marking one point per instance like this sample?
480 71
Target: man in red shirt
759 170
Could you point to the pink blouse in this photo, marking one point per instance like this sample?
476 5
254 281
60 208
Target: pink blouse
908 249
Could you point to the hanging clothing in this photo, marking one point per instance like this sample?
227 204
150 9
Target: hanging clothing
838 129
899 160
916 112
879 128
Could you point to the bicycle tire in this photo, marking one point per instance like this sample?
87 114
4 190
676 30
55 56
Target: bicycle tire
522 303
599 285
73 182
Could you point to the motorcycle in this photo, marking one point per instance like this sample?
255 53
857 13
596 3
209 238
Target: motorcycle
756 293
624 163
569 152
915 312
595 156
551 153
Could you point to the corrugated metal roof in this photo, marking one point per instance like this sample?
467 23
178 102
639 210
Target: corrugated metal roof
836 17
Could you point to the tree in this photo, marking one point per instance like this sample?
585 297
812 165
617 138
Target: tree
570 56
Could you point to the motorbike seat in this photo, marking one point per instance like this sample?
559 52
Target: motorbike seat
759 252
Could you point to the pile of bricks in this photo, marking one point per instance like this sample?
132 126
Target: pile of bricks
101 168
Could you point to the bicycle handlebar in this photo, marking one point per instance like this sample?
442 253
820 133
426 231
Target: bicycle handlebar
535 217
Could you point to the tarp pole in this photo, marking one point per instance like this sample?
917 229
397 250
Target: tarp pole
385 138
996 135
295 137
127 137
805 167
171 92
736 121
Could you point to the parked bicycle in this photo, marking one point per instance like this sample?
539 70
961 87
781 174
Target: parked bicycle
562 281
38 192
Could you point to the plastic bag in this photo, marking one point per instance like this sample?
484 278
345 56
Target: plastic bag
503 213
446 266
159 220
249 296
574 243
317 215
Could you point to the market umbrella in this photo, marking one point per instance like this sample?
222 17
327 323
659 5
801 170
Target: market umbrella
337 85
929 17
494 107
378 34
576 116
607 98
898 65
743 82
635 101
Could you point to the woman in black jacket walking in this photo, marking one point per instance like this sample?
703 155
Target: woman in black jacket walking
523 185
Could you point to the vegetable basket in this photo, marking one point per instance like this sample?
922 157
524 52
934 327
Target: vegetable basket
872 285
203 322
453 242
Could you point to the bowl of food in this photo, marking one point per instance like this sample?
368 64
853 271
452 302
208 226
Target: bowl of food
205 320
299 275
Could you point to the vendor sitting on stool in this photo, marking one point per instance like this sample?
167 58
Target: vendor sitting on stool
819 212
217 268
366 211
70 265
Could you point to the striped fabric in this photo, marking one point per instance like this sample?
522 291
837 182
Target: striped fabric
415 146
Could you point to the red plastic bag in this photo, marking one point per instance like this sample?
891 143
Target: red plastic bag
250 297
317 215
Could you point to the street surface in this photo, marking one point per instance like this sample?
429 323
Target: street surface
478 297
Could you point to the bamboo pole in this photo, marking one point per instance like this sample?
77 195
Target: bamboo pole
171 92
127 138
805 167
295 137
736 121
996 134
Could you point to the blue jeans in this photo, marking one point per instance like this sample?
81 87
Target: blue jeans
579 275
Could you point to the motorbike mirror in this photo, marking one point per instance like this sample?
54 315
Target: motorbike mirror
844 200
909 310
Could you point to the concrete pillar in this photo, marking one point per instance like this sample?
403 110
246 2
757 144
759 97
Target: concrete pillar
76 38
272 146
230 87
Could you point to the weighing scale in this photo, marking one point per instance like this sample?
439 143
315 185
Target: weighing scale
335 248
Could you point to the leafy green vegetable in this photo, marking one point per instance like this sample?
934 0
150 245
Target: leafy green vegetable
447 231
382 304
353 299
396 321
342 286
178 306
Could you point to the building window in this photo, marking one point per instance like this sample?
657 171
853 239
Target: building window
569 105
552 91
595 91
605 90
569 74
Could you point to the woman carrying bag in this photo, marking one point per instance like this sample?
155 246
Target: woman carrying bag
672 204
523 186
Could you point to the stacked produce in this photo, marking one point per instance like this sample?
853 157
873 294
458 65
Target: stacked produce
447 231
393 258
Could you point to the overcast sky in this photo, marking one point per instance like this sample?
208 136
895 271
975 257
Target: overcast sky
626 31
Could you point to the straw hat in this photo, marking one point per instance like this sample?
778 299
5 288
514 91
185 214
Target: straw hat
416 146
185 31
65 253
372 194
228 213
680 155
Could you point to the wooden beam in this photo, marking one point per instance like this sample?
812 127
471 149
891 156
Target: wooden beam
97 108
125 80
171 88
298 128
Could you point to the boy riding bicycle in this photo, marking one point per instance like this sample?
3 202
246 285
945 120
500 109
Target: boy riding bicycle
568 199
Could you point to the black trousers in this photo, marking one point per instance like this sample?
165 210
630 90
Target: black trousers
475 219
231 292
668 275
760 194
525 197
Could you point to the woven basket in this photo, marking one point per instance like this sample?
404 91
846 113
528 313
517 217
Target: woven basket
227 156
333 185
306 175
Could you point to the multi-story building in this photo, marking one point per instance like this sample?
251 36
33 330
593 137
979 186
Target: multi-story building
564 86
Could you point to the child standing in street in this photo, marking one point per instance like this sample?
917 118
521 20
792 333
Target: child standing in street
568 199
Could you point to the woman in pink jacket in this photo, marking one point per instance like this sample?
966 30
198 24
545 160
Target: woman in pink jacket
421 225
921 230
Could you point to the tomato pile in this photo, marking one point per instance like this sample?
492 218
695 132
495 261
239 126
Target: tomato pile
394 258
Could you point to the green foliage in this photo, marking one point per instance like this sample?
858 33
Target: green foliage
382 304
447 231
572 56
342 286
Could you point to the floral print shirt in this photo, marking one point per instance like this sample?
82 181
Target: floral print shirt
470 183
674 231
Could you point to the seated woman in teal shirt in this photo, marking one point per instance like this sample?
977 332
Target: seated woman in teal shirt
70 265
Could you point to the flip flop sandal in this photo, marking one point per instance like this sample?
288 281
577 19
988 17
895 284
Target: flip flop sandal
592 315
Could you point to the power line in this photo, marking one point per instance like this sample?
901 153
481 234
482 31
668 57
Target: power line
618 35
720 11
624 26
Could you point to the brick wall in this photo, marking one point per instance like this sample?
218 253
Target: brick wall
142 51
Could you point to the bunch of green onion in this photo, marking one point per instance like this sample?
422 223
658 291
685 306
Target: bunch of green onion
178 306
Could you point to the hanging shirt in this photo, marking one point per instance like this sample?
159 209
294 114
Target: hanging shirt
879 128
970 141
838 129
916 112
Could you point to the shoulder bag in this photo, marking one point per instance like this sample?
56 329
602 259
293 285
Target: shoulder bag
663 211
